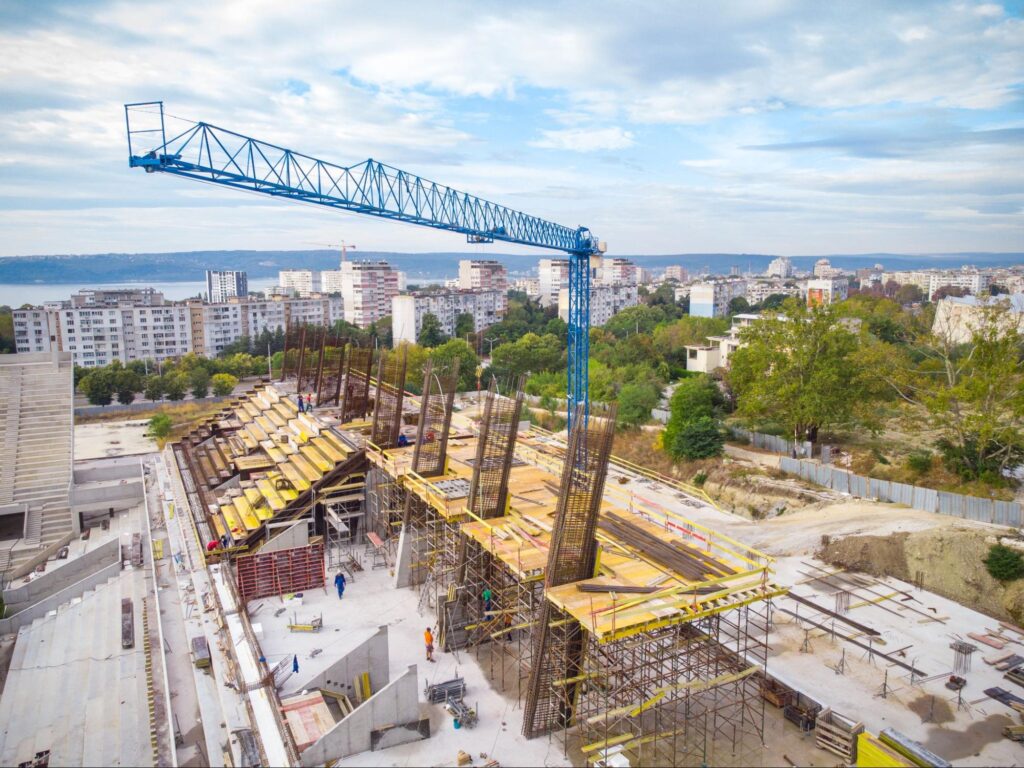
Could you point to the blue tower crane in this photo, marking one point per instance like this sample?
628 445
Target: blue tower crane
207 153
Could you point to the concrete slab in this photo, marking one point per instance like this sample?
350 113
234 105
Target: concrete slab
112 438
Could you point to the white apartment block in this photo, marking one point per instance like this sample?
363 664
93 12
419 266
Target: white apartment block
222 285
215 326
704 358
974 283
606 301
711 299
528 285
408 311
97 337
115 297
821 291
677 273
367 288
823 268
759 290
552 277
780 267
330 281
302 281
34 331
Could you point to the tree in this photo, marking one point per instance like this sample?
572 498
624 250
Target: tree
431 334
636 402
464 325
774 301
154 387
700 438
383 331
160 426
800 370
126 383
738 305
909 294
693 399
634 320
1004 563
175 385
971 394
199 383
98 387
531 353
223 384
457 349
948 290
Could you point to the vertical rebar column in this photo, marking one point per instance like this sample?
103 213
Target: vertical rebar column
356 388
320 365
302 360
488 489
430 453
387 407
558 638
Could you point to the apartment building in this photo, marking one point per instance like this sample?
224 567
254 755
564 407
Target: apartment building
821 291
823 269
552 277
759 290
330 281
704 358
608 271
367 288
302 282
528 285
482 275
116 297
781 266
215 326
974 283
35 330
606 301
408 311
222 285
711 299
677 273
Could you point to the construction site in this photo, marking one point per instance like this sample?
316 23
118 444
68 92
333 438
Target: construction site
351 565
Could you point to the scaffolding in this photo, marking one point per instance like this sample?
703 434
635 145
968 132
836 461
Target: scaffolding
387 404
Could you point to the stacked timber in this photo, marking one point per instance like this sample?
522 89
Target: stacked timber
837 734
677 556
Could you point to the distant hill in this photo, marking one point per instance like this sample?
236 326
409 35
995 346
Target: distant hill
191 265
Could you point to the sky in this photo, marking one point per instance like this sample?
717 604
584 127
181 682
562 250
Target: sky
773 126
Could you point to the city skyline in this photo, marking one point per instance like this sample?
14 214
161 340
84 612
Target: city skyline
783 128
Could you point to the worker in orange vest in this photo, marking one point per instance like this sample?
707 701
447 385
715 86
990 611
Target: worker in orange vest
428 638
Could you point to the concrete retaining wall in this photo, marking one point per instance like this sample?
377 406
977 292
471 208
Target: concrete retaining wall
370 656
40 609
394 709
295 535
123 468
19 598
119 494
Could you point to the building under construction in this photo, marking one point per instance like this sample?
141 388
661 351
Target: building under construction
620 626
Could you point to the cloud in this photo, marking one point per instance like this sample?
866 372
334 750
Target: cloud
584 139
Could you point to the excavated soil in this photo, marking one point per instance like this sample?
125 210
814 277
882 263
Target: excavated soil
946 560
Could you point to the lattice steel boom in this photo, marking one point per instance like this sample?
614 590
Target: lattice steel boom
207 153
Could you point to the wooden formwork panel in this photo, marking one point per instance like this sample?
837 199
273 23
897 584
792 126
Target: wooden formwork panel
276 573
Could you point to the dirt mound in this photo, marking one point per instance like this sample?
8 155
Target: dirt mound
945 560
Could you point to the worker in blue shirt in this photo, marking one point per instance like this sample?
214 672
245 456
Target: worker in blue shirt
339 582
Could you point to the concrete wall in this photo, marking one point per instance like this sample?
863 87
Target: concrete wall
102 495
394 708
18 598
296 535
369 656
40 609
125 468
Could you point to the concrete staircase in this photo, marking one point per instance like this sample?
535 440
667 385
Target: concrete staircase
36 440
72 688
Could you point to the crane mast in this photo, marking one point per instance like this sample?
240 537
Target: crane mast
204 152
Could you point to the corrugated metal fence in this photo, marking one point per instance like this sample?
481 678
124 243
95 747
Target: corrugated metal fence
926 499
773 443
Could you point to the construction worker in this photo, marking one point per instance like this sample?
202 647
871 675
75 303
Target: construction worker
295 664
487 600
302 405
428 638
309 403
339 582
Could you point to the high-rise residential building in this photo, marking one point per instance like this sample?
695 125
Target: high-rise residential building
528 285
711 299
677 273
302 281
330 281
215 326
759 290
614 271
552 277
482 275
222 285
606 301
35 330
115 297
821 291
367 288
823 269
781 266
973 282
408 311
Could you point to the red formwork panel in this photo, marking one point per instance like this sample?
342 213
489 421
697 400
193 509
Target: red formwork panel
277 573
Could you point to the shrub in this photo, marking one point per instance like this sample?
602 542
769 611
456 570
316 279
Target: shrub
700 478
920 461
698 439
224 384
1003 563
160 425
